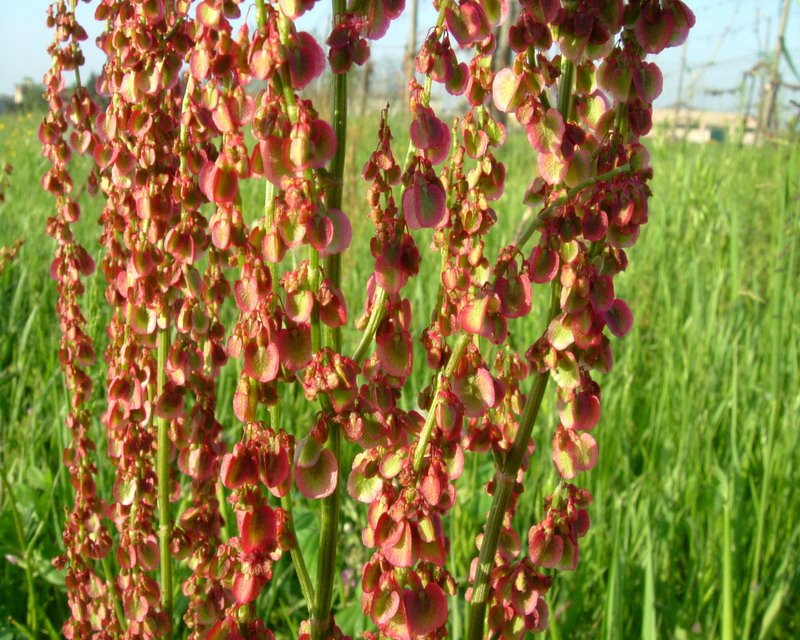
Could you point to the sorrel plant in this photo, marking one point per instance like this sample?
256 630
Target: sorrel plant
179 132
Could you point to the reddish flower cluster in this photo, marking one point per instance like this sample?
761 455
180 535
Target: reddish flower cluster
86 537
181 131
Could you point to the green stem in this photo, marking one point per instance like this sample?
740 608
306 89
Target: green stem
75 45
184 130
296 553
313 283
162 471
261 14
565 88
621 119
329 521
283 80
425 435
32 605
298 560
458 350
504 483
283 83
173 29
378 307
425 98
274 411
123 621
328 540
545 213
22 628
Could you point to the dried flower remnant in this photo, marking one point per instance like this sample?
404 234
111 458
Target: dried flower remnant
8 254
183 132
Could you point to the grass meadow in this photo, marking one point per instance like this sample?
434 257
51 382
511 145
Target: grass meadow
696 515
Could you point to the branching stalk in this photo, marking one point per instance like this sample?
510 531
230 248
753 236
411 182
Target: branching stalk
109 576
427 429
545 213
379 305
463 340
296 553
505 478
506 475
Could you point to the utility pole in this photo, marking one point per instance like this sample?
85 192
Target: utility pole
748 101
679 98
767 112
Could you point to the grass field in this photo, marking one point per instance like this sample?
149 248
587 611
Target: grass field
696 518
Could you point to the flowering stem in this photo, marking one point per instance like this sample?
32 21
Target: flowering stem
504 482
286 503
427 429
426 92
379 305
162 471
334 190
123 621
274 411
506 475
462 342
78 85
329 521
545 213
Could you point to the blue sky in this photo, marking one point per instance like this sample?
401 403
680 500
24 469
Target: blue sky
728 39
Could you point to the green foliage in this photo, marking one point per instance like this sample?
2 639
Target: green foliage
696 520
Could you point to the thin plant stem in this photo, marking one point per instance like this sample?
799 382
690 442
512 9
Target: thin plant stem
379 305
504 483
375 317
296 553
162 471
109 576
32 620
329 537
545 213
565 88
22 628
425 435
78 85
331 505
298 561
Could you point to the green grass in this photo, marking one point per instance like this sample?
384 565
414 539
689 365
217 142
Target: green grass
696 517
